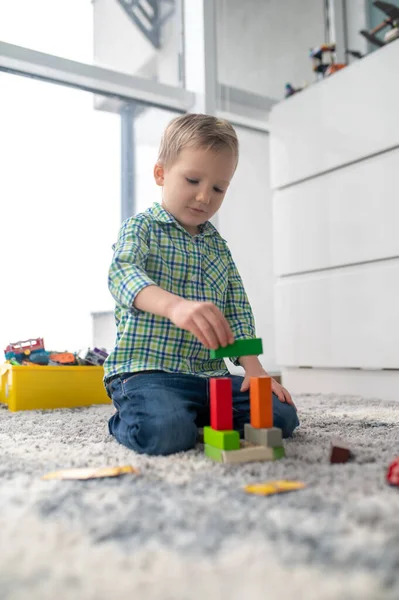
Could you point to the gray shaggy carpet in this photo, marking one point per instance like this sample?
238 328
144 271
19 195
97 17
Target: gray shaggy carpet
185 529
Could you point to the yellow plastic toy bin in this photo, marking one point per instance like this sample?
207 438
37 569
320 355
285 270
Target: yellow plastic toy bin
38 387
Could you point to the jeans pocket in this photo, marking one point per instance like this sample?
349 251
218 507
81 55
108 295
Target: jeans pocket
128 378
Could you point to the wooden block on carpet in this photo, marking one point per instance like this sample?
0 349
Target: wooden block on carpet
225 440
270 437
244 455
340 454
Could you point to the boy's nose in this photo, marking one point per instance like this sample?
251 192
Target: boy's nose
203 197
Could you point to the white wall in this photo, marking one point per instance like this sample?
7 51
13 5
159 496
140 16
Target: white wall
245 221
262 45
334 157
357 19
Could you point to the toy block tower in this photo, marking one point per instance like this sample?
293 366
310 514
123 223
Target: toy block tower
261 431
262 440
220 436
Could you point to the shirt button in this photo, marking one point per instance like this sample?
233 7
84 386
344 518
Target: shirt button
193 278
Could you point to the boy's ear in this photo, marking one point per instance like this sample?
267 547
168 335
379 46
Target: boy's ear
159 174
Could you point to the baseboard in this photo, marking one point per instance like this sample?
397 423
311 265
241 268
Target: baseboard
381 384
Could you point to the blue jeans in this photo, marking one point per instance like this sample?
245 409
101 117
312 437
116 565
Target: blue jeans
159 412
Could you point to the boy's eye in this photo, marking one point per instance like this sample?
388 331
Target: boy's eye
195 181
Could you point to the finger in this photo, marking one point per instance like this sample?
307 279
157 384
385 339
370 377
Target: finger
196 331
278 390
280 396
228 331
288 397
220 325
207 331
245 385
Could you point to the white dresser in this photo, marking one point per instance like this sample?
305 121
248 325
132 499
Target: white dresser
335 180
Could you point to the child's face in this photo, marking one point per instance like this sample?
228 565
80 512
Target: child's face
195 185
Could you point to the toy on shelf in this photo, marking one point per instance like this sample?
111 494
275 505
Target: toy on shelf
290 90
392 22
321 68
262 440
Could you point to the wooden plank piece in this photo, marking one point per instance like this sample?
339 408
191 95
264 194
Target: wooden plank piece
247 347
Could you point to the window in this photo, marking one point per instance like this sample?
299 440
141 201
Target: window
60 211
149 126
52 26
131 36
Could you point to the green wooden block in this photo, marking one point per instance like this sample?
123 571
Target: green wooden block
225 440
239 348
213 453
279 452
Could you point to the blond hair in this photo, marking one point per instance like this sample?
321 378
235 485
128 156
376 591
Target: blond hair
196 131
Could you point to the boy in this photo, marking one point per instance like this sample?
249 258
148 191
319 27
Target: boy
178 294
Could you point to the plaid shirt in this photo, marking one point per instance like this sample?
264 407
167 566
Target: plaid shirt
153 248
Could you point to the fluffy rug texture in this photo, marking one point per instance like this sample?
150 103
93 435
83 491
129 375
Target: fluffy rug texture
185 529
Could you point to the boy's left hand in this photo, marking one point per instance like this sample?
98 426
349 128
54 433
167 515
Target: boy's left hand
282 394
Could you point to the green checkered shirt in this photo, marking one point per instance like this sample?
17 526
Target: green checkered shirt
153 248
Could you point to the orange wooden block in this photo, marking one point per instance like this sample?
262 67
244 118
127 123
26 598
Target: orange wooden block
261 402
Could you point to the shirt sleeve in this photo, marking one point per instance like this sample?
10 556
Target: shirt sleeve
238 310
127 274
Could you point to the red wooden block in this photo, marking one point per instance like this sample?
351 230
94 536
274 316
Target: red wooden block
221 391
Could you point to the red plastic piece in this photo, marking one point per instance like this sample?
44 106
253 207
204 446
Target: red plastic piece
221 391
393 472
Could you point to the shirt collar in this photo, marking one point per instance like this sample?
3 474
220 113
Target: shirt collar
163 216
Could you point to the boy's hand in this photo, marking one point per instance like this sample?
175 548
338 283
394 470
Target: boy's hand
282 394
202 319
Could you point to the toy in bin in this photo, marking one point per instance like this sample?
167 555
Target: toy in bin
32 352
35 379
57 359
95 356
19 351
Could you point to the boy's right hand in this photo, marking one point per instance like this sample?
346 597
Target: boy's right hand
202 319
